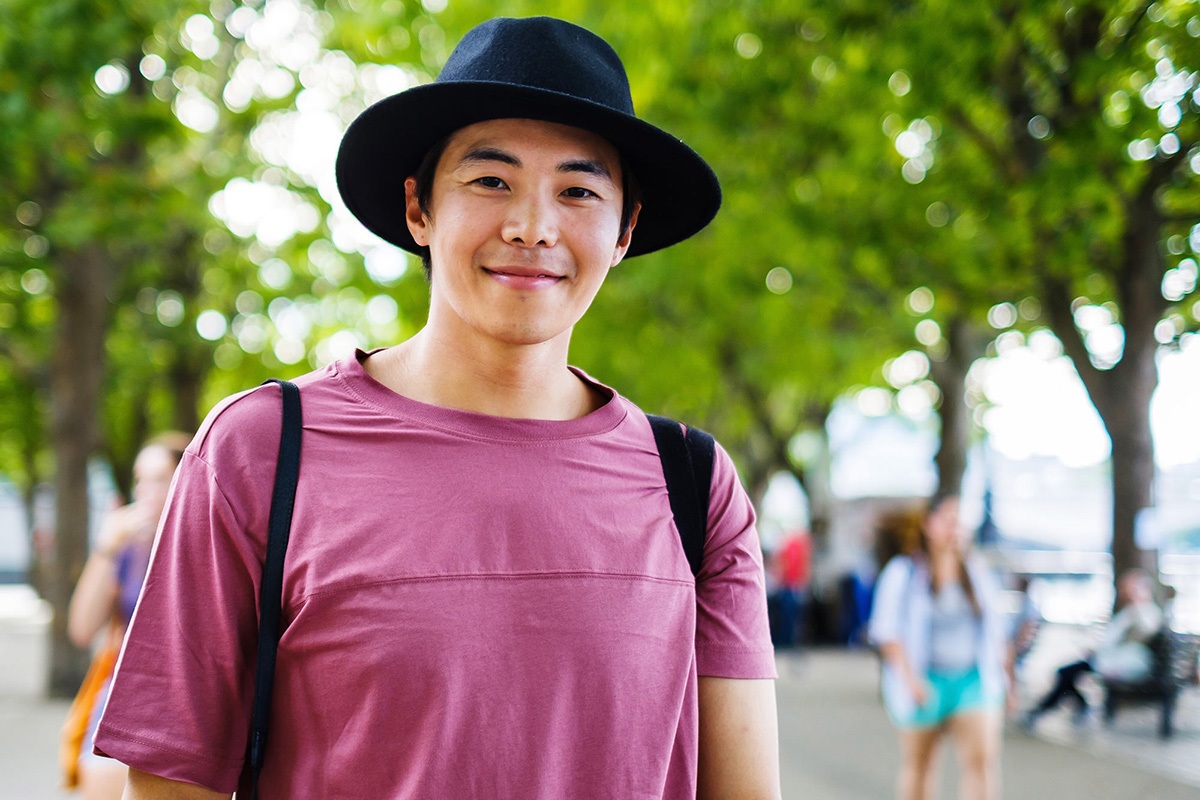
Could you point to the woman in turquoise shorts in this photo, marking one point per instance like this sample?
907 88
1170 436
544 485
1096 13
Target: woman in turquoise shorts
937 621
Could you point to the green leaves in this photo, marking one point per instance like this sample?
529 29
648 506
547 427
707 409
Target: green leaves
973 149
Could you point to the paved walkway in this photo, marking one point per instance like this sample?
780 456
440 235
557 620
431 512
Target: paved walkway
835 740
837 744
29 748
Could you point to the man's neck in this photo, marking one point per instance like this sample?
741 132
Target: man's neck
520 381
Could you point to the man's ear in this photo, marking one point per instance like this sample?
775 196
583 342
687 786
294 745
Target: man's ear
418 223
624 242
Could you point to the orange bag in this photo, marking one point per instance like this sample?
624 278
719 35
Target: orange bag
70 743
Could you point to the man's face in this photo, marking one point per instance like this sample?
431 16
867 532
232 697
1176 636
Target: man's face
524 224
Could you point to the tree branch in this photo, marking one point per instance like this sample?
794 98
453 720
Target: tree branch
1140 15
1062 321
1078 38
1161 171
990 147
777 444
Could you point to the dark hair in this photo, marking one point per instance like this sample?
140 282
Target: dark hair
631 193
939 497
424 180
964 575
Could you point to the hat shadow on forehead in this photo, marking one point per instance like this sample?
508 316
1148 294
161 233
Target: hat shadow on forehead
538 68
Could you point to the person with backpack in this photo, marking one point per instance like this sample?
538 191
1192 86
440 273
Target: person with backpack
484 592
940 627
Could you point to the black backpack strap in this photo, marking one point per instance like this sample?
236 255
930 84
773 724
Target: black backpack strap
287 475
687 461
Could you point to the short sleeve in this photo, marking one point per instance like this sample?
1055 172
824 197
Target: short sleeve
884 625
733 639
180 698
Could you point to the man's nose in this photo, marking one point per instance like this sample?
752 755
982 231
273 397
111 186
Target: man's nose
531 222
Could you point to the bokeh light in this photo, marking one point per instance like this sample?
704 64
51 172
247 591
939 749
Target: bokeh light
112 78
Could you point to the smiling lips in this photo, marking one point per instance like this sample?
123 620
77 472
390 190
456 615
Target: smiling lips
525 278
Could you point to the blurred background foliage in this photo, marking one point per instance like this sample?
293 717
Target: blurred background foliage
906 185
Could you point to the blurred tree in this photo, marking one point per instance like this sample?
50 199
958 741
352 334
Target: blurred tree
117 131
157 224
74 126
23 379
1069 148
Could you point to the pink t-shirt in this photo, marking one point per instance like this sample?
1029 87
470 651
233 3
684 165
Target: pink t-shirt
473 606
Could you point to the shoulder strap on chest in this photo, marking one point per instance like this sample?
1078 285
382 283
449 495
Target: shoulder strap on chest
687 462
287 475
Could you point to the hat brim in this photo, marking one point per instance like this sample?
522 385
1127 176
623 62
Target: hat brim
386 143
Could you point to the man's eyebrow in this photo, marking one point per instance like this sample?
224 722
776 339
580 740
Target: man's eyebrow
587 165
485 153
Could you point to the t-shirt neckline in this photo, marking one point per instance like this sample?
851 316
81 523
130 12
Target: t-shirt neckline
472 423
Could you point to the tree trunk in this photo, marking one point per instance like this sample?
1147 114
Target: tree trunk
76 379
35 571
817 485
1132 479
950 375
187 379
1122 398
1130 385
1122 394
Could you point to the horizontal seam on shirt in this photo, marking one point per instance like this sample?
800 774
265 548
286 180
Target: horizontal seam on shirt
524 442
519 576
738 650
161 744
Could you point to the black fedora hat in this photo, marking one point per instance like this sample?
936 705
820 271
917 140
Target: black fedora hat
536 68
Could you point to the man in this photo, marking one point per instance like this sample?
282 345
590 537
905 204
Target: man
1122 654
484 594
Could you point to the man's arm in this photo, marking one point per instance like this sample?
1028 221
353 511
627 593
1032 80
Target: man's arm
144 786
739 740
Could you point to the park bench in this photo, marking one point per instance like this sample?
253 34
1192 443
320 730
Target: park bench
1174 666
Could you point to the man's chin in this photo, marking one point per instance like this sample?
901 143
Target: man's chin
530 334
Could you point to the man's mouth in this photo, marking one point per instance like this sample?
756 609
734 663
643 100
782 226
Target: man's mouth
522 272
523 278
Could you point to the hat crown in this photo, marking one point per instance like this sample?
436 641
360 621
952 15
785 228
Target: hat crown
541 53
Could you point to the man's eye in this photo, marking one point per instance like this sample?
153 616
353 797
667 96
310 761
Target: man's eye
490 182
579 192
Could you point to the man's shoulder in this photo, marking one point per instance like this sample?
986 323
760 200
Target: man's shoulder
251 419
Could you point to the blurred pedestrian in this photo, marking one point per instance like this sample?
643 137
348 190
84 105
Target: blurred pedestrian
788 573
104 600
1122 655
1027 621
945 644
